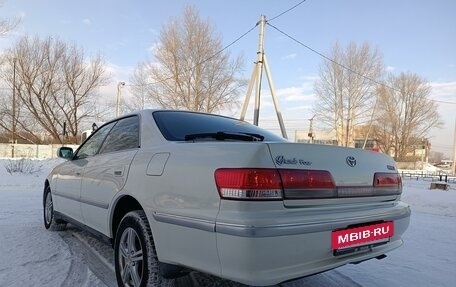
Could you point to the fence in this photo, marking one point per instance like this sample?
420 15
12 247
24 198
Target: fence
428 176
30 150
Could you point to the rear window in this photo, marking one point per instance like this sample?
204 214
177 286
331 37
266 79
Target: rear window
176 125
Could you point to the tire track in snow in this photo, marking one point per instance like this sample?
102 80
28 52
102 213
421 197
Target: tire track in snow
86 260
105 262
77 274
348 279
93 255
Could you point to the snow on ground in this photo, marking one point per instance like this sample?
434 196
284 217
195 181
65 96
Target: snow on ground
33 256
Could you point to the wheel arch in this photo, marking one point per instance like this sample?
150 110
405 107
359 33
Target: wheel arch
122 206
46 185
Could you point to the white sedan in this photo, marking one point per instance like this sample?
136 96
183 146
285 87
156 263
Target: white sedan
175 191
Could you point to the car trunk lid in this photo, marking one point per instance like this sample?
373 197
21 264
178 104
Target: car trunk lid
353 173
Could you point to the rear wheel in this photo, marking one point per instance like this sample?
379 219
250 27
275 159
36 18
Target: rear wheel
136 259
48 213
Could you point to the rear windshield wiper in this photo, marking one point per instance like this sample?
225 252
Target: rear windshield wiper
221 136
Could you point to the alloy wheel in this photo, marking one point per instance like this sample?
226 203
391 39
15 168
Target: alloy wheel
131 258
48 208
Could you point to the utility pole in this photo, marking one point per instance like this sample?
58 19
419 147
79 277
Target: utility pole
13 114
255 80
454 150
370 123
310 134
119 87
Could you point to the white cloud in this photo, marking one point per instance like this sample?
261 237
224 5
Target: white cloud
291 93
310 79
152 48
118 74
390 68
444 93
290 56
86 21
295 104
153 31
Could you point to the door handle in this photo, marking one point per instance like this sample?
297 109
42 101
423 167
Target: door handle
118 173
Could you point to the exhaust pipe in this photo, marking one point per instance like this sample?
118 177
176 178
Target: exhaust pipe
380 257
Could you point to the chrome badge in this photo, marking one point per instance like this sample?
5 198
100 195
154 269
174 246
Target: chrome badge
351 161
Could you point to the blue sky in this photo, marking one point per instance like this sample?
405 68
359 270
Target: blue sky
413 36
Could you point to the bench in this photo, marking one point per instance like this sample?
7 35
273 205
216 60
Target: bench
440 185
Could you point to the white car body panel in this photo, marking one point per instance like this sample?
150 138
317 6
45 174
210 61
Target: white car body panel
104 176
66 185
252 242
170 198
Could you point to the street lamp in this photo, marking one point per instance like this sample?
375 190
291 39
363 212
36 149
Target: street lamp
119 86
13 114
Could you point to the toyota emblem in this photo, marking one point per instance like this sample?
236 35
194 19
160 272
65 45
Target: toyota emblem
351 161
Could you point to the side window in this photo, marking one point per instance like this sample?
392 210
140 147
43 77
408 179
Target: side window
92 145
124 135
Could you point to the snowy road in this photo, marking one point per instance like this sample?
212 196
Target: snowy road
32 256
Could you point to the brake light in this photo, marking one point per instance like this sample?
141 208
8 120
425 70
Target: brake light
305 184
278 184
273 184
387 179
387 183
293 178
249 184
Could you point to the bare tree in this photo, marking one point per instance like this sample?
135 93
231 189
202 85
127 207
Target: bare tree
8 24
190 70
55 85
82 80
405 114
346 89
141 91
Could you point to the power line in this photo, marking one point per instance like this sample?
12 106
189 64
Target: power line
200 63
331 60
286 11
444 102
345 67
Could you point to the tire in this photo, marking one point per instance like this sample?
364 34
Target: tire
48 213
136 260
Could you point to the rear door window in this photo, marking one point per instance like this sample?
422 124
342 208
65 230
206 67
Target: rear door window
124 135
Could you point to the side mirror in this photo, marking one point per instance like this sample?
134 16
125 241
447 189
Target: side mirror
65 152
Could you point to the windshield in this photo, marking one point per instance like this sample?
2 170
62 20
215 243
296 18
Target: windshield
175 126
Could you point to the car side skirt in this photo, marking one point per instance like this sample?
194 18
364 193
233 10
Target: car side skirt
84 227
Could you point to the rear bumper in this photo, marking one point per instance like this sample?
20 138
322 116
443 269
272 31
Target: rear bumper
286 229
267 251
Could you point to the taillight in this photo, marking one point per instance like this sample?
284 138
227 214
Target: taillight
387 183
278 184
387 180
249 184
305 184
273 184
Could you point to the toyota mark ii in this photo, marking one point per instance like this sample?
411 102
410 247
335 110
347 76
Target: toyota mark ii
175 191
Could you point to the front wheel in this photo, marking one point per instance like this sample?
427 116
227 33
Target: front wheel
48 213
136 259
